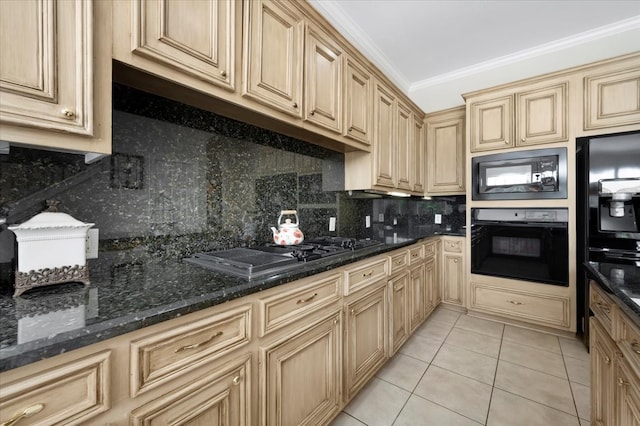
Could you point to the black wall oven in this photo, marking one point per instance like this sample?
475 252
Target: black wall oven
521 244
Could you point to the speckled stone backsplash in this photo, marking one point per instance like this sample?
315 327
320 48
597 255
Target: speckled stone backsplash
183 180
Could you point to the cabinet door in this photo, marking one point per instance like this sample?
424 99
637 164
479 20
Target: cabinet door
301 376
323 80
445 154
366 338
432 286
542 115
453 279
627 395
273 55
398 312
46 67
418 155
418 296
358 87
612 99
491 124
403 141
384 137
602 350
220 398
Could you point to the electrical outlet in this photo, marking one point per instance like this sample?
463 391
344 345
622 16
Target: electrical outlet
438 219
367 222
332 224
91 247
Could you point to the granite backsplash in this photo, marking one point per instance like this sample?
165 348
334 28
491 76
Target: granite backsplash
183 180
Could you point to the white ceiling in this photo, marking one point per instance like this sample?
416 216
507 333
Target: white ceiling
419 44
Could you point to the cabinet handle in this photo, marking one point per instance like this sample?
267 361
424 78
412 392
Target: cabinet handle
313 112
621 382
506 141
335 321
399 262
460 186
604 307
414 255
367 274
236 380
352 311
607 360
295 105
522 139
197 345
26 412
513 302
634 346
455 260
223 73
67 113
307 299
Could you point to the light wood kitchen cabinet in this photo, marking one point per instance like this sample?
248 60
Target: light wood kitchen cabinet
358 95
301 375
627 394
399 327
418 296
612 97
446 152
418 155
323 80
433 296
365 340
532 116
404 144
273 55
55 74
453 271
384 148
220 397
603 360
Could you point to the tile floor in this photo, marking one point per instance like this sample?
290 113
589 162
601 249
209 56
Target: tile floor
461 370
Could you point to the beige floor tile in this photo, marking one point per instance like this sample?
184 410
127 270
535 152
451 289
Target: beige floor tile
509 410
403 371
421 348
467 363
434 330
479 325
579 370
536 339
574 348
582 396
457 393
540 387
420 412
533 358
475 342
445 316
378 403
344 419
584 422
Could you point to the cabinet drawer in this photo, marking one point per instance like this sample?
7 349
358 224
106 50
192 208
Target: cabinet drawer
284 308
454 246
538 308
163 355
416 255
429 249
398 262
365 274
628 339
70 394
601 305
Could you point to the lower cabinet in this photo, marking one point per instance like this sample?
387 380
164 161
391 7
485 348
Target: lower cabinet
418 296
453 279
399 328
221 397
432 286
603 353
627 395
365 343
300 375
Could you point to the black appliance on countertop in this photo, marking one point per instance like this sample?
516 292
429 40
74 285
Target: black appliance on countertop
273 259
608 210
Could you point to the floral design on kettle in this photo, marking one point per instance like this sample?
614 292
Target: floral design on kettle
288 232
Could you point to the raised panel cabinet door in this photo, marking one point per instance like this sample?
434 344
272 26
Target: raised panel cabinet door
445 155
404 142
627 395
418 156
323 80
612 99
385 146
366 341
301 375
357 100
453 279
432 286
221 397
602 360
542 115
192 37
491 124
399 312
46 65
417 296
273 55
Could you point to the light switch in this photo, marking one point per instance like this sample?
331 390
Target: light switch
332 224
367 222
438 219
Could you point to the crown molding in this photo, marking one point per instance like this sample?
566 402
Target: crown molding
543 49
335 14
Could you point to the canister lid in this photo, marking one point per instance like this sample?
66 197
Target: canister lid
48 220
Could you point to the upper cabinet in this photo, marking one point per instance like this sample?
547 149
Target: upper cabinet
417 154
532 116
446 152
55 74
404 142
357 102
273 55
384 105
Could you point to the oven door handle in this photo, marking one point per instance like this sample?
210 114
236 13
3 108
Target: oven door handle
523 224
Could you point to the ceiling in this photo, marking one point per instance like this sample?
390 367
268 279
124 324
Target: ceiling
418 43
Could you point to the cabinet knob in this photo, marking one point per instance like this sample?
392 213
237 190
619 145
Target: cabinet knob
295 105
351 129
26 412
460 186
236 380
455 260
223 73
67 113
636 347
313 112
522 139
352 311
335 321
506 141
621 382
607 360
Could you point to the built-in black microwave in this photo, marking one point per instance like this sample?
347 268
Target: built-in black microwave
521 175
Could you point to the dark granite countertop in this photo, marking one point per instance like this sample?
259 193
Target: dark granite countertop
622 281
127 294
